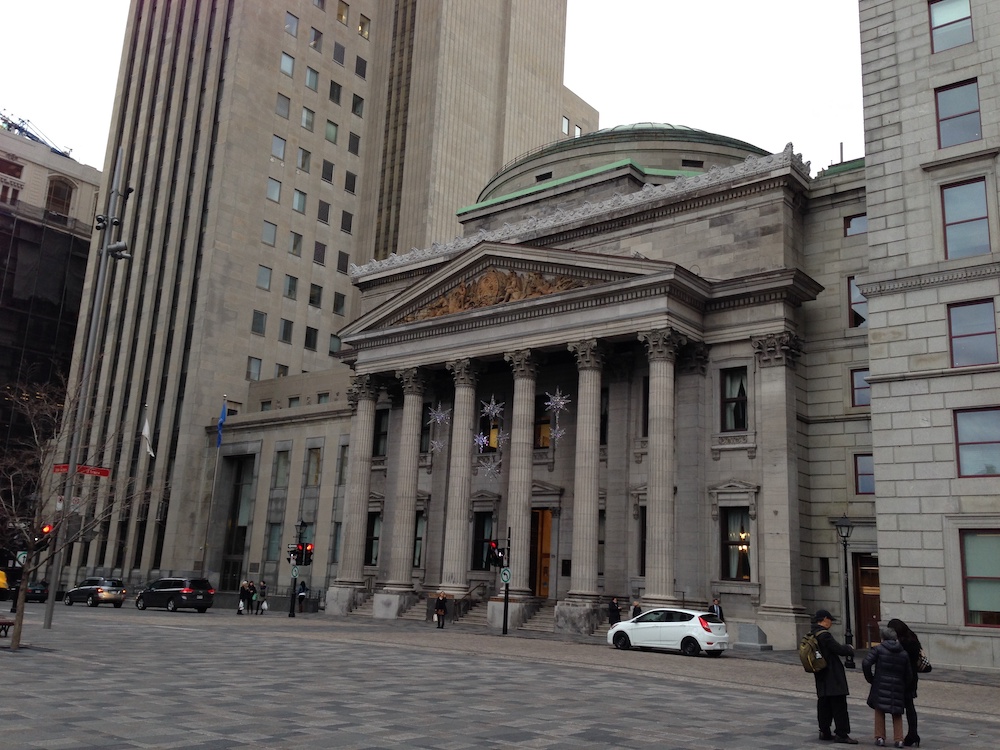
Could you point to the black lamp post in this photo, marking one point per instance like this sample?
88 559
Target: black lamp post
295 561
844 528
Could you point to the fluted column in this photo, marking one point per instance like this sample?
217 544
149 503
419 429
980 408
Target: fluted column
661 348
362 396
519 481
455 567
407 465
589 360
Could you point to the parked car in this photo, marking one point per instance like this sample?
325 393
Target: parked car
38 591
177 593
96 591
686 630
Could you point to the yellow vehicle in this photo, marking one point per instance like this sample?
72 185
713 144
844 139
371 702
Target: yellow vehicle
4 591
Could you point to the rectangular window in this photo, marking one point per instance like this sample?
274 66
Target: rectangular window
321 4
323 212
864 474
338 303
259 324
280 371
308 118
338 53
283 106
287 64
602 523
316 39
291 24
856 225
346 222
342 11
331 131
972 330
273 190
605 413
734 399
269 234
380 444
319 253
373 531
264 278
565 125
357 106
861 392
313 466
312 338
299 201
577 131
253 368
312 79
303 160
858 305
323 398
315 295
420 528
295 244
278 147
282 462
977 438
350 182
272 551
291 287
327 171
343 261
951 24
482 534
966 219
543 423
335 91
981 576
265 405
425 429
334 344
285 331
644 408
341 462
360 67
958 114
735 526
364 27
354 144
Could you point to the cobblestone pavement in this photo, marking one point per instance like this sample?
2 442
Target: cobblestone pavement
107 678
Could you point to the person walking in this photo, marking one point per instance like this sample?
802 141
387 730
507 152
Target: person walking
614 611
262 597
911 645
440 609
887 669
243 598
301 595
716 609
831 683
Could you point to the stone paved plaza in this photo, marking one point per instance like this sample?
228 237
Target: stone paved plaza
106 678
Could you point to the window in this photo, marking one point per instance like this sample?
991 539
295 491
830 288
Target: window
313 464
981 576
282 462
315 295
380 444
373 530
272 551
323 398
951 24
735 526
338 303
543 424
273 190
323 212
864 474
338 53
265 405
291 24
334 344
346 222
312 337
644 408
269 234
419 530
331 131
605 412
482 535
958 114
316 39
312 79
861 392
285 331
360 67
253 368
264 278
321 4
319 253
291 287
343 261
259 323
577 132
280 371
308 118
966 219
299 201
364 26
278 147
342 10
335 91
856 225
350 182
972 330
858 316
977 436
287 64
358 106
303 160
283 106
734 399
602 524
354 143
565 125
295 244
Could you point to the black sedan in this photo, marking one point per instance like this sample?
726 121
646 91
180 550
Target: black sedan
38 591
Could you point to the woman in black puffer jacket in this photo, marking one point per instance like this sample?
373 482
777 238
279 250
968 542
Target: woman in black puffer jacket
887 668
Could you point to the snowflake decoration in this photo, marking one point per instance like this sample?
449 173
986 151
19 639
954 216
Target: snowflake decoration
437 446
493 410
556 434
491 467
482 440
557 402
502 439
439 416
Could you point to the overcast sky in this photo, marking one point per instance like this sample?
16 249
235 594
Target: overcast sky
769 72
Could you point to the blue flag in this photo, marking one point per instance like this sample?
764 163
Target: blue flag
222 421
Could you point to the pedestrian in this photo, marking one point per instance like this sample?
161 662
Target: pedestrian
636 609
831 683
911 645
251 596
303 591
887 669
440 609
262 597
243 598
716 609
614 611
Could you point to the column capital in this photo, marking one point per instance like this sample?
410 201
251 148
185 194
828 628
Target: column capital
463 371
662 344
695 358
777 349
413 381
588 355
522 363
363 387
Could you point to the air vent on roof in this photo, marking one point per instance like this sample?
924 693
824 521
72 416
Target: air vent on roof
543 177
693 163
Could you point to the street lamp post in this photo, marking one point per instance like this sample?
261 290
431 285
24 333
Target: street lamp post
844 528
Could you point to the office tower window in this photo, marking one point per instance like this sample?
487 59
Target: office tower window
358 106
315 295
360 67
977 439
343 261
273 190
577 132
323 214
253 368
966 219
857 305
334 344
303 159
338 303
331 131
278 147
364 26
295 244
321 4
342 11
264 278
291 24
259 323
287 64
856 225
981 576
350 182
308 118
335 91
280 472
316 39
958 114
951 24
972 331
269 234
283 106
565 125
299 201
280 371
291 287
864 474
734 399
272 547
327 171
339 53
319 254
354 143
861 392
346 222
312 336
312 79
285 331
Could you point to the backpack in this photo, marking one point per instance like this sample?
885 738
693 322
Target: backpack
810 655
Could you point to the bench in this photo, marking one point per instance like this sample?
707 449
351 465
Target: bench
5 625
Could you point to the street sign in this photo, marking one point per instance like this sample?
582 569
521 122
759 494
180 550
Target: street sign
91 471
295 571
22 558
292 547
505 575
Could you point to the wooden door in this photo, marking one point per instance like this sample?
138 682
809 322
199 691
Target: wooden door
541 540
867 600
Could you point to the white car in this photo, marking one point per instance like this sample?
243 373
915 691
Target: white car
686 630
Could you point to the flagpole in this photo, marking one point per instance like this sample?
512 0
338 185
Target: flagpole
215 479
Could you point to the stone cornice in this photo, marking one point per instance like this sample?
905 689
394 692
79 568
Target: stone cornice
924 280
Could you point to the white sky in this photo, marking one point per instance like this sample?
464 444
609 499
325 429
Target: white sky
766 72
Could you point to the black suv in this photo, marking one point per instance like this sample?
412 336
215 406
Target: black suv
96 591
175 593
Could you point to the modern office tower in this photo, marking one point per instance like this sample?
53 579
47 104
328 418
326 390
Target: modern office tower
269 146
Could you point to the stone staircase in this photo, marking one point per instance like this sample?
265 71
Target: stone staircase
475 616
416 613
543 621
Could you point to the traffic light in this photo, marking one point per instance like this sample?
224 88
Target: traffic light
44 537
307 554
296 554
495 555
502 557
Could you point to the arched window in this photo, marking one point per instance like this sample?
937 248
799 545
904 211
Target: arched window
59 197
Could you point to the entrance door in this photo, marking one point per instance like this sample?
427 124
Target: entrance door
541 539
867 599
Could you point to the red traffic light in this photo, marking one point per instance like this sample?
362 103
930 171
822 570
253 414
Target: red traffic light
47 528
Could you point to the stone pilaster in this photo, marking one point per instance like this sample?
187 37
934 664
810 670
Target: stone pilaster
455 569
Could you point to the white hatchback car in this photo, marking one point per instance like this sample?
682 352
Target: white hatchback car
686 630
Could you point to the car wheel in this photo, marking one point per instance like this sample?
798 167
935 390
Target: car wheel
171 607
203 610
91 601
67 601
690 647
118 605
714 654
140 603
622 642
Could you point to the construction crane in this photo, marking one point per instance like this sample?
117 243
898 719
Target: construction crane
25 129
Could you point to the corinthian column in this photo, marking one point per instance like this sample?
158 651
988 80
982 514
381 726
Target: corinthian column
455 568
583 581
407 465
519 483
661 348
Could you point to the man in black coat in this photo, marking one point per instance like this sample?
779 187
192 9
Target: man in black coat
831 683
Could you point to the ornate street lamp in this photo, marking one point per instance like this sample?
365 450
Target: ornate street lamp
844 528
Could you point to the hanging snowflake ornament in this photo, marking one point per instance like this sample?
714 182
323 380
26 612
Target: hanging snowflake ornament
482 440
437 446
557 402
490 466
493 410
439 416
502 439
556 434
